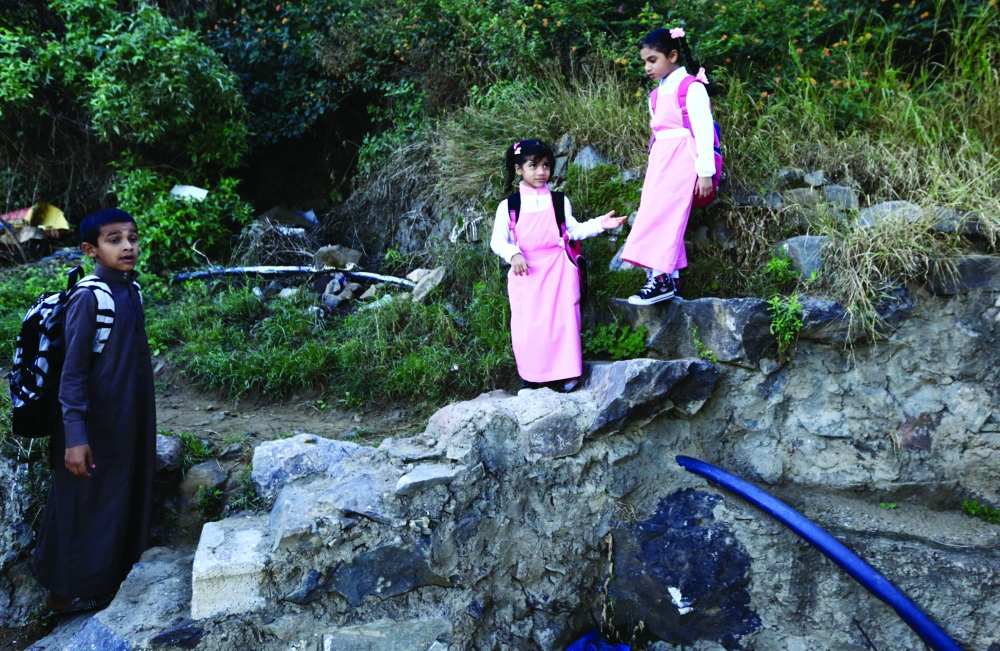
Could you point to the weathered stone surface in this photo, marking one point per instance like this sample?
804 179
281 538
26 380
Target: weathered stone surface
564 146
427 284
276 463
949 220
208 475
638 388
153 598
684 573
336 256
169 453
617 264
552 425
758 200
791 175
228 569
426 476
386 572
16 590
805 197
588 158
965 275
805 253
815 179
889 210
828 321
736 330
385 635
841 197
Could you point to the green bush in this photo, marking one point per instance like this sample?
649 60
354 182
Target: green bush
614 341
177 233
133 77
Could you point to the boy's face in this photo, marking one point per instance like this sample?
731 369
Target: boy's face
535 173
117 246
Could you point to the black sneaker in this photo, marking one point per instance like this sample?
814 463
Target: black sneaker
660 288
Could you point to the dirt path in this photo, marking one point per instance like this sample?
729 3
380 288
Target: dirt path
181 407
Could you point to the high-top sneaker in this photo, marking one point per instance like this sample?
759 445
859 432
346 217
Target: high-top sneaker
660 288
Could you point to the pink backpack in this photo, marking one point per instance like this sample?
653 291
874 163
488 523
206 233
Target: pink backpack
682 92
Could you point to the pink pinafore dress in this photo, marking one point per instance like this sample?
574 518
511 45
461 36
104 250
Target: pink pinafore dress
545 303
657 237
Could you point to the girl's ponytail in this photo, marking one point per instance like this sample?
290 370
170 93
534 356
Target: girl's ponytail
509 162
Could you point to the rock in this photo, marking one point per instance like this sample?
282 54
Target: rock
637 388
841 197
889 210
827 321
632 175
684 573
561 167
288 292
737 331
386 572
370 292
153 599
276 463
768 366
617 264
208 475
335 285
700 239
185 635
805 197
963 275
337 257
426 476
758 200
791 175
169 453
385 301
385 635
273 288
815 179
331 301
415 275
805 253
229 567
564 146
427 284
232 452
589 158
949 220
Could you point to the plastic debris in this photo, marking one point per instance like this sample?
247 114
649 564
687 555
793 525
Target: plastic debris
189 192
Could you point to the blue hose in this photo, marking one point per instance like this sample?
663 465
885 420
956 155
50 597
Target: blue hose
862 572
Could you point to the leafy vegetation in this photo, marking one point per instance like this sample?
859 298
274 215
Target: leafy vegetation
973 509
786 321
614 341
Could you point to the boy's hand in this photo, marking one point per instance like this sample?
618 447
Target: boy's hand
519 265
79 459
704 187
609 221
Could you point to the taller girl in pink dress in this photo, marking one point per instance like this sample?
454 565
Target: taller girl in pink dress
543 283
681 165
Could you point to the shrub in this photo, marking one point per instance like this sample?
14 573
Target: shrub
615 341
175 232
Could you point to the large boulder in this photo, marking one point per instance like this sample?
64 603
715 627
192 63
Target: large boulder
152 601
276 463
805 253
963 275
736 330
228 571
169 454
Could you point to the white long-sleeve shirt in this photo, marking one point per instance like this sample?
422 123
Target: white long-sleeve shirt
502 241
699 112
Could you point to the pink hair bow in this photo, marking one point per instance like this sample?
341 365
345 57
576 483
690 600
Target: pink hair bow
677 32
701 76
517 148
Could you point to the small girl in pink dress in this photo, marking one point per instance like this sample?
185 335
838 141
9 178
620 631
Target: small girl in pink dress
681 165
543 283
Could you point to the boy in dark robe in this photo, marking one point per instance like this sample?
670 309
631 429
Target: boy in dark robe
97 516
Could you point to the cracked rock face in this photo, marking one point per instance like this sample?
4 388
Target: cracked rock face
499 526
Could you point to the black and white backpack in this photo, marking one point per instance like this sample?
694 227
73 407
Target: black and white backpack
41 351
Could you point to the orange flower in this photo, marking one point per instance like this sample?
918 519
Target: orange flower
725 37
728 60
545 22
925 15
764 95
798 50
284 20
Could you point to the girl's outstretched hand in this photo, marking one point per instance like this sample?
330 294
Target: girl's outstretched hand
609 221
704 187
519 264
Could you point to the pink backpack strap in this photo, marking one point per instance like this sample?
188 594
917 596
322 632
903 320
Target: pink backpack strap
682 100
653 94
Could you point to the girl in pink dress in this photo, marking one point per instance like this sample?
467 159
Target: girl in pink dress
681 165
543 283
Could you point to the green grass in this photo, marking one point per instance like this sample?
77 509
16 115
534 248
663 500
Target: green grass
972 508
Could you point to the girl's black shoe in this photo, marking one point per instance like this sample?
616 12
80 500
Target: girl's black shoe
660 288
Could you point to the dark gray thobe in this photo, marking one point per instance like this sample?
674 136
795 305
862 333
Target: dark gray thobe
94 529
